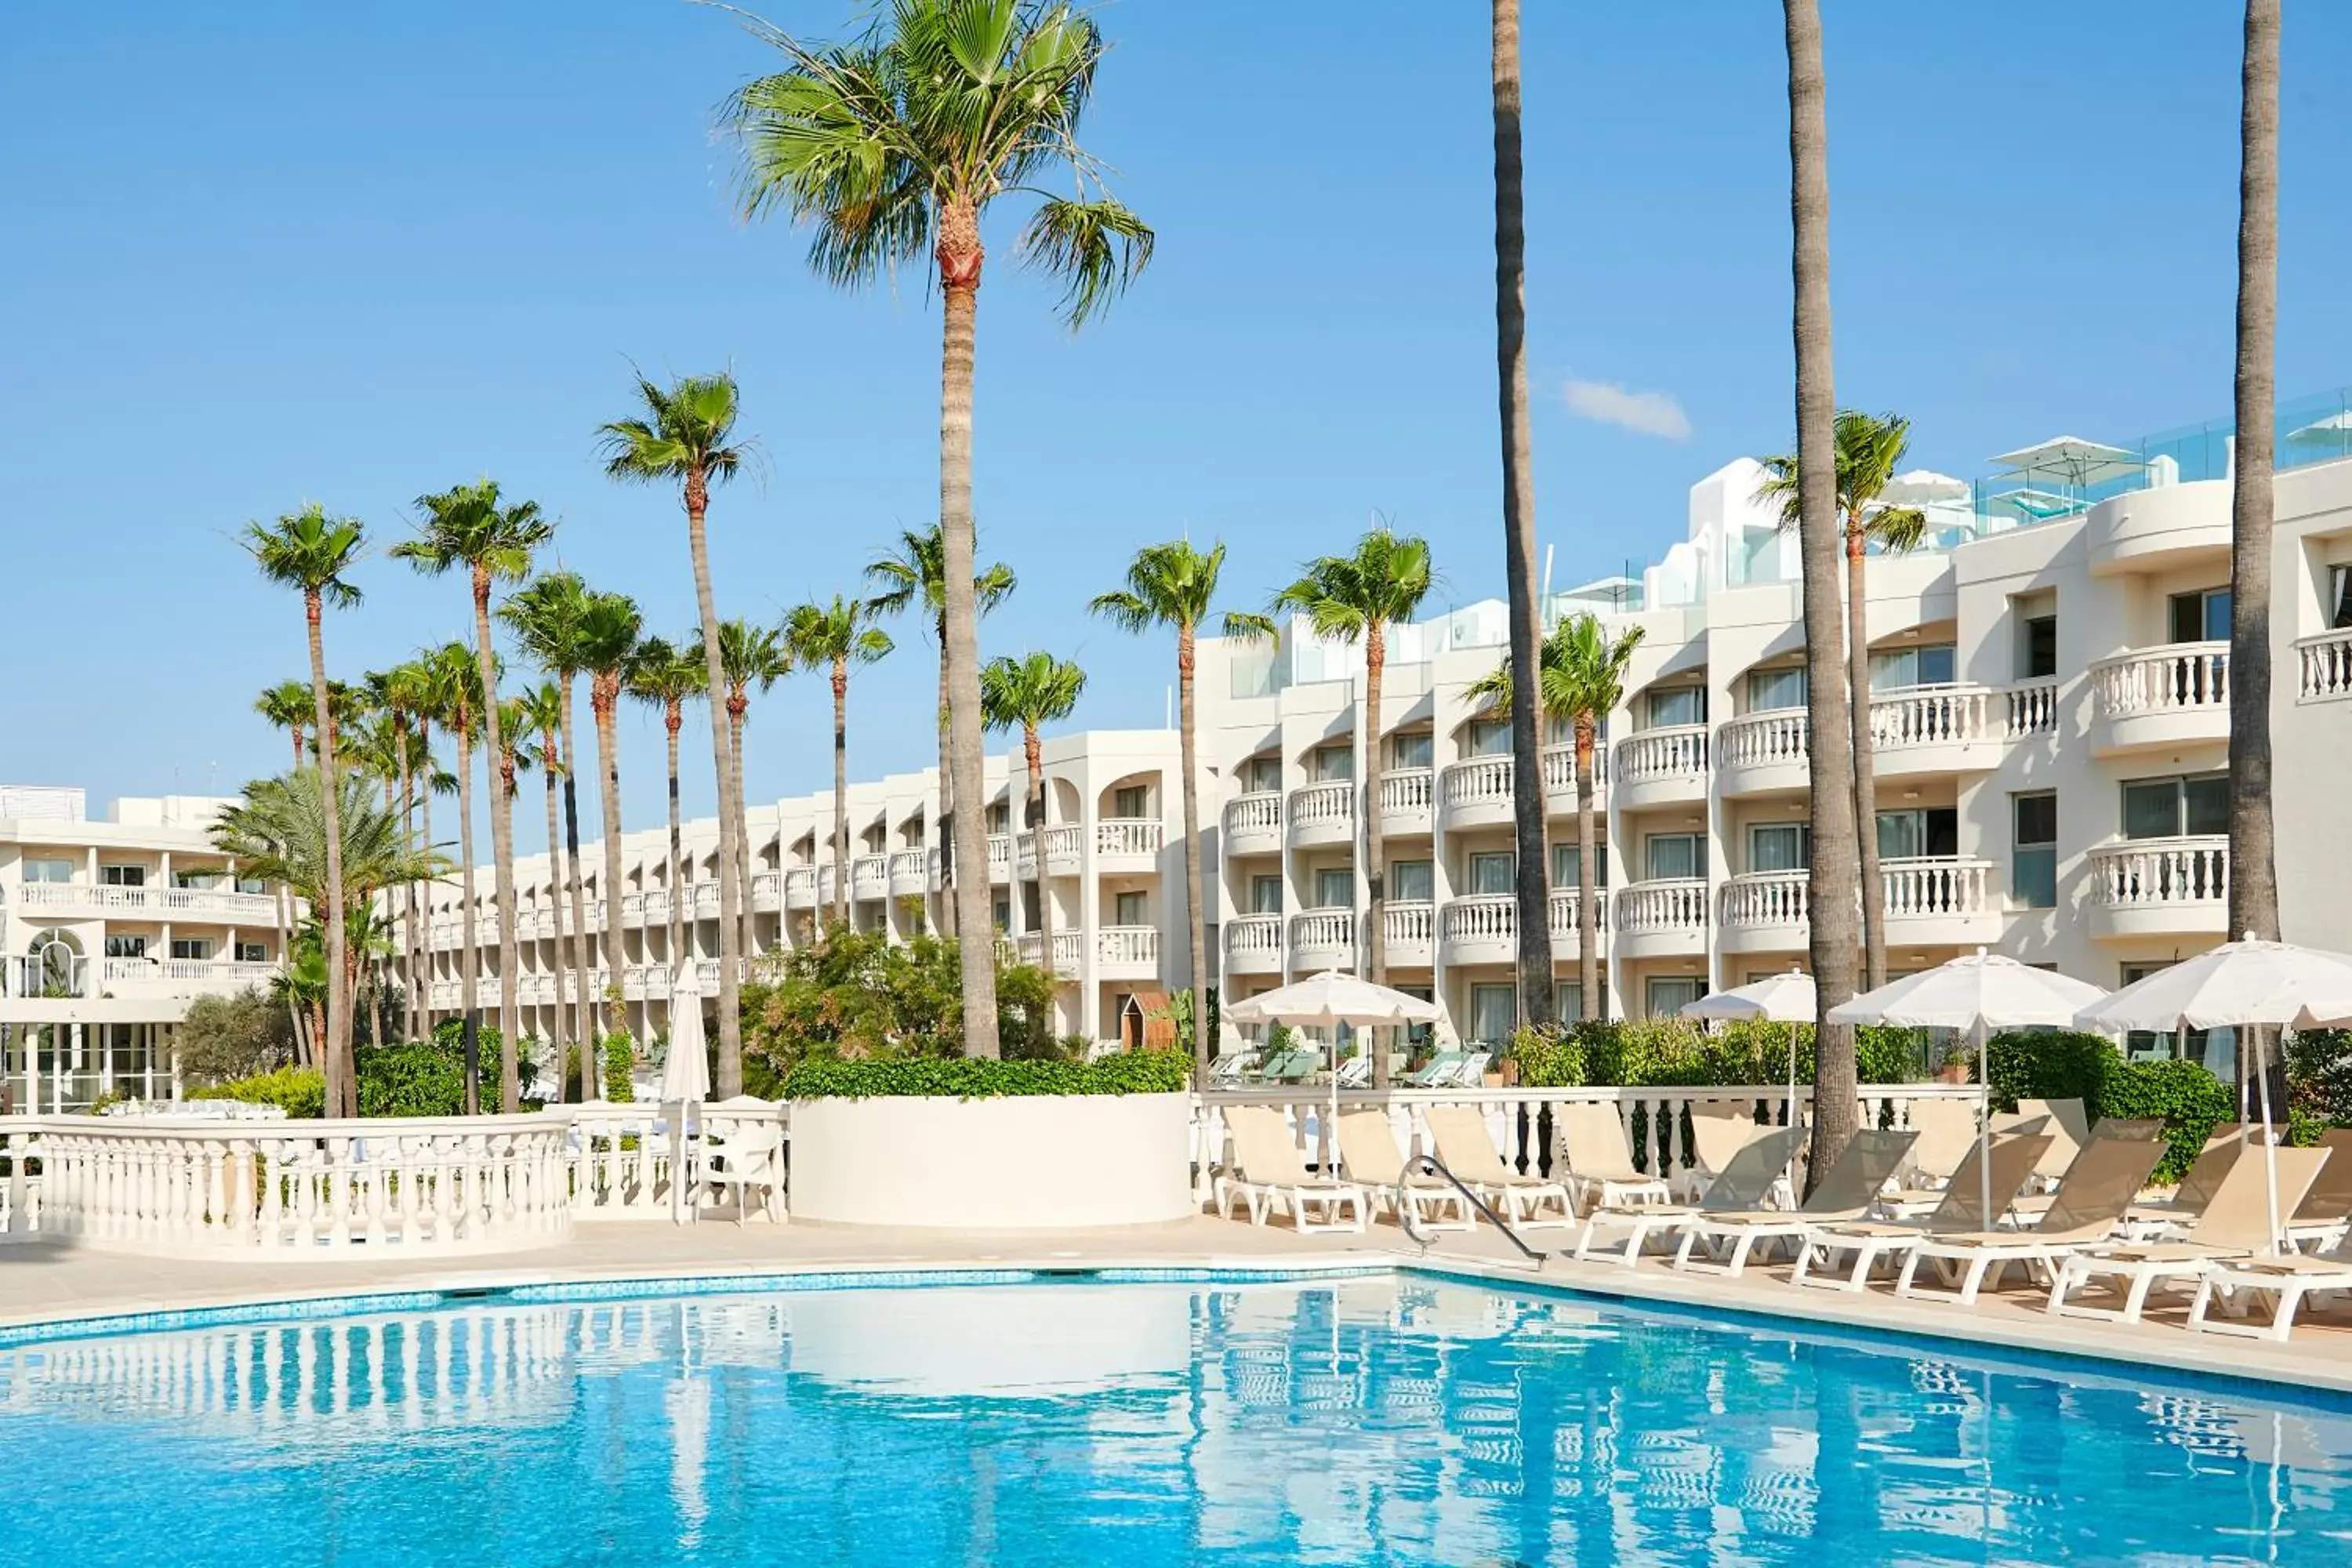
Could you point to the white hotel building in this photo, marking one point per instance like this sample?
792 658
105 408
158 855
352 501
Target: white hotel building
2049 715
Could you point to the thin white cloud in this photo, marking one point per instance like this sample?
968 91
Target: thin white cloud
1643 412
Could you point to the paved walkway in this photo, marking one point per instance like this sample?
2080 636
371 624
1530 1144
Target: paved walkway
44 1282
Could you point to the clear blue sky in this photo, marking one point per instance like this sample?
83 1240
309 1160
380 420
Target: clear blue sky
260 253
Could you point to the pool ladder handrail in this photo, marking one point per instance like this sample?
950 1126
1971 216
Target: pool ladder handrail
1436 1166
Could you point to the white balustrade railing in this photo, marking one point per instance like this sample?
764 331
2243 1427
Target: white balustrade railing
1127 947
1000 855
706 899
869 876
1934 887
1563 912
180 973
1063 844
2189 676
1665 906
1560 769
2033 710
1329 804
1760 738
2323 666
767 888
1407 925
1069 952
624 1158
909 873
1407 792
800 886
1673 752
1320 934
1254 813
1764 899
1930 716
1481 916
632 909
1135 836
216 903
1254 936
1479 781
2139 873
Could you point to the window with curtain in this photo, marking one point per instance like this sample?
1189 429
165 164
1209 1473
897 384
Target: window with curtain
1567 1000
1779 846
191 947
1130 910
1929 664
1411 881
1130 802
126 947
1331 765
1266 895
1414 750
1494 871
48 870
2171 807
1564 860
1911 833
1494 1015
1677 705
1674 857
1667 994
1772 691
2201 616
1262 775
1486 738
122 876
1335 887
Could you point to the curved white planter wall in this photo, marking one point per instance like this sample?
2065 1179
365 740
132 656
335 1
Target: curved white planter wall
1017 1163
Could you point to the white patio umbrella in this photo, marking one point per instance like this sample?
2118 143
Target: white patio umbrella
1330 998
686 1072
1922 486
2238 984
1980 992
1787 998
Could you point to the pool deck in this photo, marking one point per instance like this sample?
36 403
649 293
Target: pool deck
42 1283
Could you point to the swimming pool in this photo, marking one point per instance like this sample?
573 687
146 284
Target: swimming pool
1383 1418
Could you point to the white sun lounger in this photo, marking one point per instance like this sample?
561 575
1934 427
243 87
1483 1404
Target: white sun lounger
1369 1148
1869 1242
1743 1183
1845 1192
2237 1285
1269 1172
2235 1224
2090 1201
1718 1132
1464 1147
1600 1170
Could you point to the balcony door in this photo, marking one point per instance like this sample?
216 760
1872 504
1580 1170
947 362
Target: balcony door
1912 835
2176 808
2201 616
1779 846
1674 857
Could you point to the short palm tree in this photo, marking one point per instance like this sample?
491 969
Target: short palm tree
398 693
473 527
541 715
663 674
685 434
545 618
893 147
1580 680
289 706
914 574
312 552
1870 449
834 637
749 656
609 630
2254 846
1357 598
1027 694
452 689
1174 586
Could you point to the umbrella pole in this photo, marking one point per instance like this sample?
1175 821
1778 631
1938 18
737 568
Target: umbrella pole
1984 1125
2270 1141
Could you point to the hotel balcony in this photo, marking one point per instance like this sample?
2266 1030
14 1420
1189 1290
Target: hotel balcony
1930 902
767 892
869 876
2160 888
826 877
2160 698
1062 846
1763 754
1937 730
1253 824
1069 946
1484 928
1126 953
1666 766
1254 945
2324 668
1323 814
1408 934
216 905
1127 844
911 874
1405 798
700 898
1477 792
2158 528
1660 920
800 887
141 978
1323 939
1000 858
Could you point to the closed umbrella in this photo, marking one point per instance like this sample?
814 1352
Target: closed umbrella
1980 992
1332 998
2239 985
1787 998
686 1073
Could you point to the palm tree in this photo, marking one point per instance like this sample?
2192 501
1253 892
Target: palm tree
397 691
1870 449
609 630
510 760
748 656
663 676
685 437
542 714
1024 694
916 573
1172 585
893 147
311 551
545 618
1357 598
470 526
1833 885
834 637
2253 870
1581 680
289 706
452 683
1519 530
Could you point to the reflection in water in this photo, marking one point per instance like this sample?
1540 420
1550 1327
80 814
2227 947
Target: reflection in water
1369 1420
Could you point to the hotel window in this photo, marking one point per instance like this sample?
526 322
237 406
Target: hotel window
1564 858
251 885
1929 664
1266 895
1681 705
1494 871
1331 765
1486 738
2037 647
1129 909
1262 775
1335 887
252 952
1130 802
1667 994
2215 1049
191 947
1494 1015
122 876
1912 835
1411 750
1004 915
1567 1000
1775 690
1000 820
1412 882
48 870
1674 857
1560 730
126 947
2202 616
2171 808
2033 852
2339 597
1779 846
201 881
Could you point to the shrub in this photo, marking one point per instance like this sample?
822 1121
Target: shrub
2048 1064
858 994
426 1078
1644 1053
2319 1077
2189 1098
974 1078
620 1056
300 1092
224 1039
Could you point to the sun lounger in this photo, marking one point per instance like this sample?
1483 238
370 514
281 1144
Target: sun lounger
1267 1170
1368 1146
1718 1132
2098 1187
1910 1205
1464 1147
1962 1210
1231 1067
1845 1192
2235 1224
1294 1066
1599 1165
2324 1217
1437 1071
1742 1185
2153 1218
1947 1132
2237 1285
743 1152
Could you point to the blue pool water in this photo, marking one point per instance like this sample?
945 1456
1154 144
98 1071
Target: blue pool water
1375 1420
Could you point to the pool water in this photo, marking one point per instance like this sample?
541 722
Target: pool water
1385 1419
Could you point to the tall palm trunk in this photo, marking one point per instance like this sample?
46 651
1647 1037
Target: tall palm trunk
1195 894
470 971
673 719
410 953
1866 766
1834 884
1033 753
501 762
425 896
728 1081
2254 871
341 1098
304 1052
1369 725
960 256
1588 881
1533 877
946 829
559 1035
738 705
841 792
582 950
603 698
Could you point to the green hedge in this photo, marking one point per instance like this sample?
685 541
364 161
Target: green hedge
300 1092
1645 1052
2064 1064
973 1077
